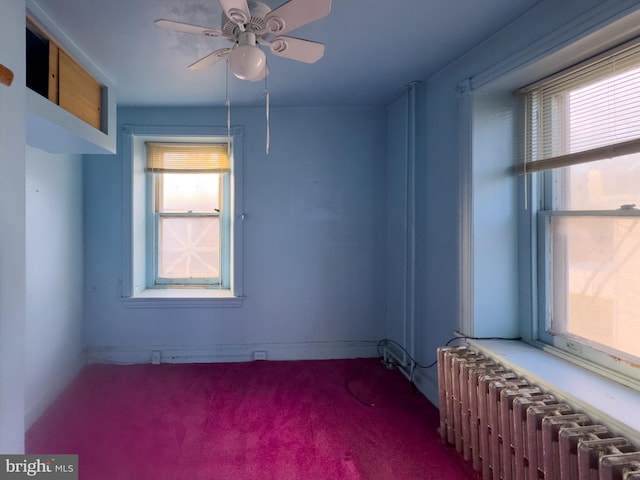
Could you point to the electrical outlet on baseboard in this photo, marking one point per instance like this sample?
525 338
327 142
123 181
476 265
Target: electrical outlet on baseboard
259 355
155 357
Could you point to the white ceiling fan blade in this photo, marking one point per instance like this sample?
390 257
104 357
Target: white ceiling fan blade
296 13
187 28
297 49
236 10
210 59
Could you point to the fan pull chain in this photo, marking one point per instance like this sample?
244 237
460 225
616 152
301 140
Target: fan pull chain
228 104
526 188
266 94
267 107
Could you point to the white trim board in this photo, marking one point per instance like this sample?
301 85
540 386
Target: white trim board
126 355
425 379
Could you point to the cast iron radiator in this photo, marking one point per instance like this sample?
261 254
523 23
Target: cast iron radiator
510 429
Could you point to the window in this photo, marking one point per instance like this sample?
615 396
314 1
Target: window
583 137
183 221
189 194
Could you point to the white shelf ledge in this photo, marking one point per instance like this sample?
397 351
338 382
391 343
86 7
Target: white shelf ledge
53 129
183 298
602 399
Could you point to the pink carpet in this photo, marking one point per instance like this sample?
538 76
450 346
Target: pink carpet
243 421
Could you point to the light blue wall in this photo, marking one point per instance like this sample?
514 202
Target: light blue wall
315 237
495 208
55 275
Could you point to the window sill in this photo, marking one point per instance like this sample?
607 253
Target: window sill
183 298
602 399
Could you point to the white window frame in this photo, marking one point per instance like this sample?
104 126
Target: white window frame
542 198
137 282
598 358
153 223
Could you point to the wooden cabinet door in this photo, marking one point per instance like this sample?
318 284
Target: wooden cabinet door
78 92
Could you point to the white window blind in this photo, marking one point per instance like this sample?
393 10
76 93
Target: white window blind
586 113
187 158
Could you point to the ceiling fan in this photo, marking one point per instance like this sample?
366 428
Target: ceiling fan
250 25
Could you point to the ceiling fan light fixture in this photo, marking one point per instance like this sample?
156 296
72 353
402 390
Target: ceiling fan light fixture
251 25
247 61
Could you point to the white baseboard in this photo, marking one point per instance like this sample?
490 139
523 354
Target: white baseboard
427 383
47 393
233 353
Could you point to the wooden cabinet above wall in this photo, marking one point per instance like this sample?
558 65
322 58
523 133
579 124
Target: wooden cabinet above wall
71 102
52 73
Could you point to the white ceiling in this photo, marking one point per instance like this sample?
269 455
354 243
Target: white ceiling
374 48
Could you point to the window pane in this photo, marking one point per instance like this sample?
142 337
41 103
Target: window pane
587 111
189 192
595 268
605 112
189 247
602 185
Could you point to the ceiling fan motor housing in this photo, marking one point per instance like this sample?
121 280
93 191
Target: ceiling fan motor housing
255 24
